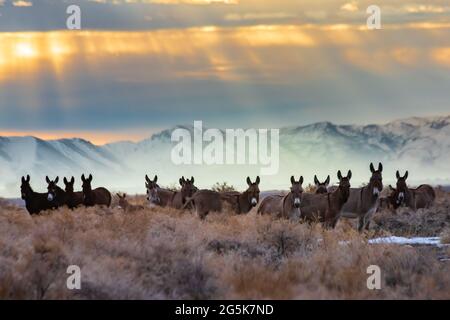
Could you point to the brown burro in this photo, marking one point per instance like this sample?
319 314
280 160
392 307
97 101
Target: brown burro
321 187
98 196
126 206
158 196
421 197
206 201
363 202
326 208
287 206
73 199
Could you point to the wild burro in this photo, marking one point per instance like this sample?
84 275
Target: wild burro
326 208
98 196
169 198
363 202
206 201
126 206
55 195
34 202
73 199
421 197
287 206
321 187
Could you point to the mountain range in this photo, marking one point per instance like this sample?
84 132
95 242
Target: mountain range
420 145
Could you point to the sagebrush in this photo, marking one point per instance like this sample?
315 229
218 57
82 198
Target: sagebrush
160 253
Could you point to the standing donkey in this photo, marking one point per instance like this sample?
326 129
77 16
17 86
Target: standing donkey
421 197
73 199
55 195
321 187
98 196
327 207
363 202
168 198
287 206
34 202
206 201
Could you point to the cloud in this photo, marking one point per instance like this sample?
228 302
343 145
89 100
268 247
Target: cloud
350 6
426 9
259 16
22 3
93 80
173 2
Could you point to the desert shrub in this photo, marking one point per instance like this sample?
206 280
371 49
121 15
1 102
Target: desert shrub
445 236
162 253
222 187
311 188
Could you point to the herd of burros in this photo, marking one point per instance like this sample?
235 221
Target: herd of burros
327 205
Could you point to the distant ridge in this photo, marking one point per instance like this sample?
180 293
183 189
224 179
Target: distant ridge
420 145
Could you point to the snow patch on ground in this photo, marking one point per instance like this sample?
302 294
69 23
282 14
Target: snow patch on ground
417 241
432 241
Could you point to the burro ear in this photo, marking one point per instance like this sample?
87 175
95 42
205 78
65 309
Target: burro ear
372 169
90 178
249 182
380 167
47 179
181 181
258 180
83 178
192 180
316 181
147 178
339 175
72 181
155 179
406 175
397 174
292 180
301 180
65 181
23 179
57 180
349 174
327 182
28 178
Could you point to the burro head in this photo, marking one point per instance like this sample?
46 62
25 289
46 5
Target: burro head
152 190
253 191
297 191
344 183
376 180
51 188
402 188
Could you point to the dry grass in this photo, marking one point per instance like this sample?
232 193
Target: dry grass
167 254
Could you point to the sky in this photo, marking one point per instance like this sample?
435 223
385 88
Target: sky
137 67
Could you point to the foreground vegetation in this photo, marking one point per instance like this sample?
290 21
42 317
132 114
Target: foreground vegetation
166 254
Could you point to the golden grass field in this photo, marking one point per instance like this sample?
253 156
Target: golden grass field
161 253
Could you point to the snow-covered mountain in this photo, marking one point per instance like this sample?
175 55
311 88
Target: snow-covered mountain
421 145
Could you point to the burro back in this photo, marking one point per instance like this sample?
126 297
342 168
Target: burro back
206 201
